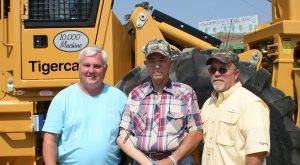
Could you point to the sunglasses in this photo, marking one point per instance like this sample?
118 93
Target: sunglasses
221 70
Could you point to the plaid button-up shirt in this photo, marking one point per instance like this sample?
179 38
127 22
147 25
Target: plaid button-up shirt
160 122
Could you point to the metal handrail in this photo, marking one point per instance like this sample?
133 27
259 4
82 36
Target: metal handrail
3 27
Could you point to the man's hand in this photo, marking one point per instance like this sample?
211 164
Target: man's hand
256 158
126 144
166 161
189 144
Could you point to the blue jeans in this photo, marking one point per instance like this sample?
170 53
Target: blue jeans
187 161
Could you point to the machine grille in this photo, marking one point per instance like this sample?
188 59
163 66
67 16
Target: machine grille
60 10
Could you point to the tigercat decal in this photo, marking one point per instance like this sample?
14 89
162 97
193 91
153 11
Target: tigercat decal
46 68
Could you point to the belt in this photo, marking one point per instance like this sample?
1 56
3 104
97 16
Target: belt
157 155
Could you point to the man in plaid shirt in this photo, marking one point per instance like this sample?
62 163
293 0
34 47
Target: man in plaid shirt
161 123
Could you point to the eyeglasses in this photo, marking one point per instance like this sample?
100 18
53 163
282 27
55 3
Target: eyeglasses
221 70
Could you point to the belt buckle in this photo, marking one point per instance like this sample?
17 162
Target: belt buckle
150 154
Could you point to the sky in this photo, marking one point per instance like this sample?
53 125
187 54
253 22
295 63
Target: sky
192 12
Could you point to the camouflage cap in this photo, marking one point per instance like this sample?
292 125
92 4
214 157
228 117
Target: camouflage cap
225 57
157 46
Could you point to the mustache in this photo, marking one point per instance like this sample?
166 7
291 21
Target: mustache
217 79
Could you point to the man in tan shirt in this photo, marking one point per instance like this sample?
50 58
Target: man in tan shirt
236 122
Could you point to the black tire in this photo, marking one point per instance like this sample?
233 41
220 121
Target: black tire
190 69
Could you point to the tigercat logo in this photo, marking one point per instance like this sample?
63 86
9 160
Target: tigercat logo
46 68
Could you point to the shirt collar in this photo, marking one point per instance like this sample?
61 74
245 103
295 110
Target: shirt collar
149 88
224 95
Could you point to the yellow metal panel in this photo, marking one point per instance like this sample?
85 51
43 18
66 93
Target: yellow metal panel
285 10
45 67
286 27
50 62
253 56
22 160
102 27
263 25
15 107
15 120
17 144
14 25
182 37
15 116
118 46
283 77
143 33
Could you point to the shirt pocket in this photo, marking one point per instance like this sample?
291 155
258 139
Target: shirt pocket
175 119
227 129
139 123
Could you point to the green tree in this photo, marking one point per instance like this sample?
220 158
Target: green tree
144 5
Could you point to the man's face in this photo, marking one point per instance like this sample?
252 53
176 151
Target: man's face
223 76
158 67
91 71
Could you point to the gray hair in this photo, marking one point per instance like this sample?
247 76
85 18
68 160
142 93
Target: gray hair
93 51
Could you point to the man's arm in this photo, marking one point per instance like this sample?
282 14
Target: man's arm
189 144
50 148
258 133
256 158
127 146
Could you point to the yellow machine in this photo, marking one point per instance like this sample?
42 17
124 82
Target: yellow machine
279 41
41 40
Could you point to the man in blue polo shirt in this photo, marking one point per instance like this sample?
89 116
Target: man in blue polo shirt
82 123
